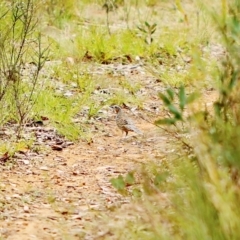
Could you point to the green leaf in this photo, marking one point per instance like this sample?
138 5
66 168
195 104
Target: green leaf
142 30
147 24
164 99
174 110
136 192
192 97
198 116
118 183
170 93
159 178
182 98
234 79
153 28
154 25
218 107
153 31
165 121
129 180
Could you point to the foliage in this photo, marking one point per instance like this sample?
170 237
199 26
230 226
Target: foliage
148 30
20 43
176 112
203 188
192 194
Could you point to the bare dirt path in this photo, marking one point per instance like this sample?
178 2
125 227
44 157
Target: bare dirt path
61 195
68 194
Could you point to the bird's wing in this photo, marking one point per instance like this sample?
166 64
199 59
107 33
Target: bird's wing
134 129
128 121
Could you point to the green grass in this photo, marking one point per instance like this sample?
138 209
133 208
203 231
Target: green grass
60 111
201 184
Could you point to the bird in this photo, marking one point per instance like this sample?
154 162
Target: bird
125 123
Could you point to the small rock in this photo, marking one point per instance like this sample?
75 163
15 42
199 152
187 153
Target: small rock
44 168
26 162
57 147
26 209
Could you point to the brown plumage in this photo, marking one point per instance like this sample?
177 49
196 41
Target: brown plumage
125 123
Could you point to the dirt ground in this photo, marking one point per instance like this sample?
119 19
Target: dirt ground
64 195
67 194
56 197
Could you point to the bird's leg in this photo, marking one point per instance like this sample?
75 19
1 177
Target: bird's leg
126 134
122 134
120 140
124 137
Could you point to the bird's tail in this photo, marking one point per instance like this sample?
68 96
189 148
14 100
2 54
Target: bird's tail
136 130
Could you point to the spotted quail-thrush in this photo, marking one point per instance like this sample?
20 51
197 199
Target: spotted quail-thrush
125 123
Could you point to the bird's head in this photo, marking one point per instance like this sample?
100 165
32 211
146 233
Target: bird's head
116 108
